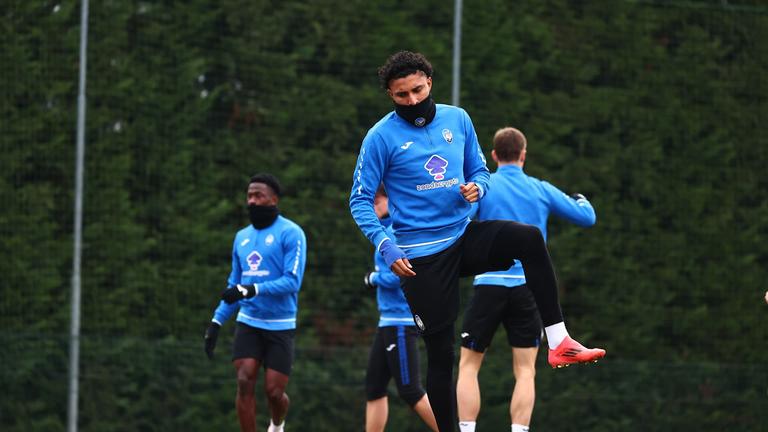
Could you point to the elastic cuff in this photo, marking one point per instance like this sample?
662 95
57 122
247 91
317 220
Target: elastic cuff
256 289
480 191
378 247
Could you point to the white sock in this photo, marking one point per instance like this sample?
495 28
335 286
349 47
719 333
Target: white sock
555 334
275 428
467 426
519 428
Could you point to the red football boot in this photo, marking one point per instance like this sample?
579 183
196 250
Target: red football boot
569 351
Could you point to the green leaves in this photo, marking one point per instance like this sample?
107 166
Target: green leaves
651 110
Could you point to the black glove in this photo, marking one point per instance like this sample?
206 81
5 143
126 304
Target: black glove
211 335
368 280
238 292
578 196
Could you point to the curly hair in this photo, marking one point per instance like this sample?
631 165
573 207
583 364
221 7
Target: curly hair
401 64
269 180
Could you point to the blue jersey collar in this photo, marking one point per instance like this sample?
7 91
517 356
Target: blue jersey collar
510 168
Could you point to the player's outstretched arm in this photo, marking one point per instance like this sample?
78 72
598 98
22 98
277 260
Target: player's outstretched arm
575 208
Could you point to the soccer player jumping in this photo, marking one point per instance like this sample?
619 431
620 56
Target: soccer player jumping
429 159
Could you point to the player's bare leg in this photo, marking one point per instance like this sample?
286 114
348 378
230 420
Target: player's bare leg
245 401
424 410
524 393
376 413
467 386
274 388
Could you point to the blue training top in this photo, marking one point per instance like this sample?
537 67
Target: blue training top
517 196
273 258
393 308
421 168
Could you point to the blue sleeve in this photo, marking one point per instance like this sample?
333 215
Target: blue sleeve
371 163
475 169
387 280
237 271
224 311
579 212
474 210
294 245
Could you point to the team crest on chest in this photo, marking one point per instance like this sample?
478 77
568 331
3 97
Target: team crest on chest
269 240
448 136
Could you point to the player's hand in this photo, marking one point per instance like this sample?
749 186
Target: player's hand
211 335
402 268
470 192
369 280
396 259
239 292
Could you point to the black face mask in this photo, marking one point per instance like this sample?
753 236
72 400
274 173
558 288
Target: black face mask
420 114
262 216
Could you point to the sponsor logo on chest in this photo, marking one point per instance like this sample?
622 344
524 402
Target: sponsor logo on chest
254 260
437 167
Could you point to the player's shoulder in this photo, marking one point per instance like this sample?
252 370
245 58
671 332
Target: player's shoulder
244 232
546 184
383 126
537 181
522 181
553 193
288 226
452 110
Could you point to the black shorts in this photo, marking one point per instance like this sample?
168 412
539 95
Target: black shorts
394 354
493 305
433 294
273 348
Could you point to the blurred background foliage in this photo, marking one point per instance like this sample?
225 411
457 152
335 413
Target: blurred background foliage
653 109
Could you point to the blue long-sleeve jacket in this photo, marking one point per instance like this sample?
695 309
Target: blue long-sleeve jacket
273 258
393 308
517 196
421 168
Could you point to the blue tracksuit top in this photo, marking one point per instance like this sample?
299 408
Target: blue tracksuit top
274 259
517 196
421 169
393 308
